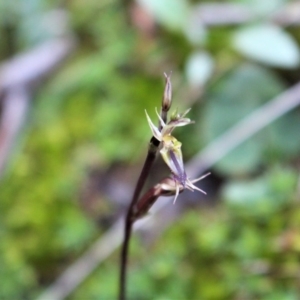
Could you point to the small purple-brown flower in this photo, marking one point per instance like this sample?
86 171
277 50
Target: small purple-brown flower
171 151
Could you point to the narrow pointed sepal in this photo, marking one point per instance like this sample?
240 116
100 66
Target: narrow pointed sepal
156 133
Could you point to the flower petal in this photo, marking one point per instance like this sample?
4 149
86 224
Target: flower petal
200 178
185 113
163 124
175 123
192 187
177 192
171 187
156 133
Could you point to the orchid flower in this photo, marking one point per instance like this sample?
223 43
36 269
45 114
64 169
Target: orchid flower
171 151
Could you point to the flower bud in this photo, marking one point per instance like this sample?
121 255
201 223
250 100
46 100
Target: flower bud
167 98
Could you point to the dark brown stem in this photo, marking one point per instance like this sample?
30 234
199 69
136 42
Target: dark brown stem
132 213
129 220
124 256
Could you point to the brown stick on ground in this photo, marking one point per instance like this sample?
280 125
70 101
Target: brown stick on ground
19 77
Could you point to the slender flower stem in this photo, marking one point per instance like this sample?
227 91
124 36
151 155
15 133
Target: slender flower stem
129 220
130 216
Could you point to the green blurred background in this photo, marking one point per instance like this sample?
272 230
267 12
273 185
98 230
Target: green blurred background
74 162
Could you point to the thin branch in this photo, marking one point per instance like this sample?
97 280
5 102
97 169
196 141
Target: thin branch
19 77
222 14
130 216
244 129
154 143
206 158
14 110
27 69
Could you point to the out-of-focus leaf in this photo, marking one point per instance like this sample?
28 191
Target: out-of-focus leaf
261 196
246 193
194 30
230 100
284 134
199 68
170 13
268 44
242 160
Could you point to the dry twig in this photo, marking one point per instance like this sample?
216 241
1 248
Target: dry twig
224 14
19 78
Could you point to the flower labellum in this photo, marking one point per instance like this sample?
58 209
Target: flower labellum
172 155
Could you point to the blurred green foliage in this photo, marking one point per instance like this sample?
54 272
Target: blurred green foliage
91 114
235 250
